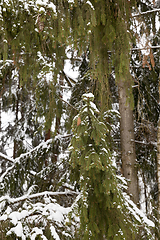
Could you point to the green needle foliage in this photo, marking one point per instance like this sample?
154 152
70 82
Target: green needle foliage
101 206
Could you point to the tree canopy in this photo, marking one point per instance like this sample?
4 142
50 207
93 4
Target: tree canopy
62 177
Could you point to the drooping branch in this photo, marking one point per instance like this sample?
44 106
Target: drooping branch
67 103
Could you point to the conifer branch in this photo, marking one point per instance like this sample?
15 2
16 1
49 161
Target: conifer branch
63 136
139 142
145 143
66 78
67 103
142 48
146 48
147 12
36 195
6 157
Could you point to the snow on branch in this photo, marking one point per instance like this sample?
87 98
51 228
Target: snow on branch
147 12
144 48
145 143
17 160
43 145
6 172
36 195
6 157
138 214
28 154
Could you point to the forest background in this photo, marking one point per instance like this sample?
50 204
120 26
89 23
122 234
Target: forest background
80 155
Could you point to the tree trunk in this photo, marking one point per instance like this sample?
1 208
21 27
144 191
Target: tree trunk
15 146
158 159
127 143
145 191
0 114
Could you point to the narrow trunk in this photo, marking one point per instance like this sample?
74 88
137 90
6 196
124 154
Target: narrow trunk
0 114
145 192
57 127
15 147
47 134
127 143
158 159
15 140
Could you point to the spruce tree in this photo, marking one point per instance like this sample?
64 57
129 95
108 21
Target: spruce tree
101 205
34 45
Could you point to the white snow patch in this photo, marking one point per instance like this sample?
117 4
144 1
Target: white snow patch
89 3
88 95
18 230
36 231
16 216
94 106
138 214
54 234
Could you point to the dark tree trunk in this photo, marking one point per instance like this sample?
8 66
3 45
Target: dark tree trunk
15 147
158 160
0 114
47 134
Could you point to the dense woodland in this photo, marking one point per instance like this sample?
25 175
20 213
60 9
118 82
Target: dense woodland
79 156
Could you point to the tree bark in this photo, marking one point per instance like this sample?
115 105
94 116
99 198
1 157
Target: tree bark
0 114
158 159
127 142
15 146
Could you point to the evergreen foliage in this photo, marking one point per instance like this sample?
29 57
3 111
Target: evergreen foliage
101 207
34 39
32 195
